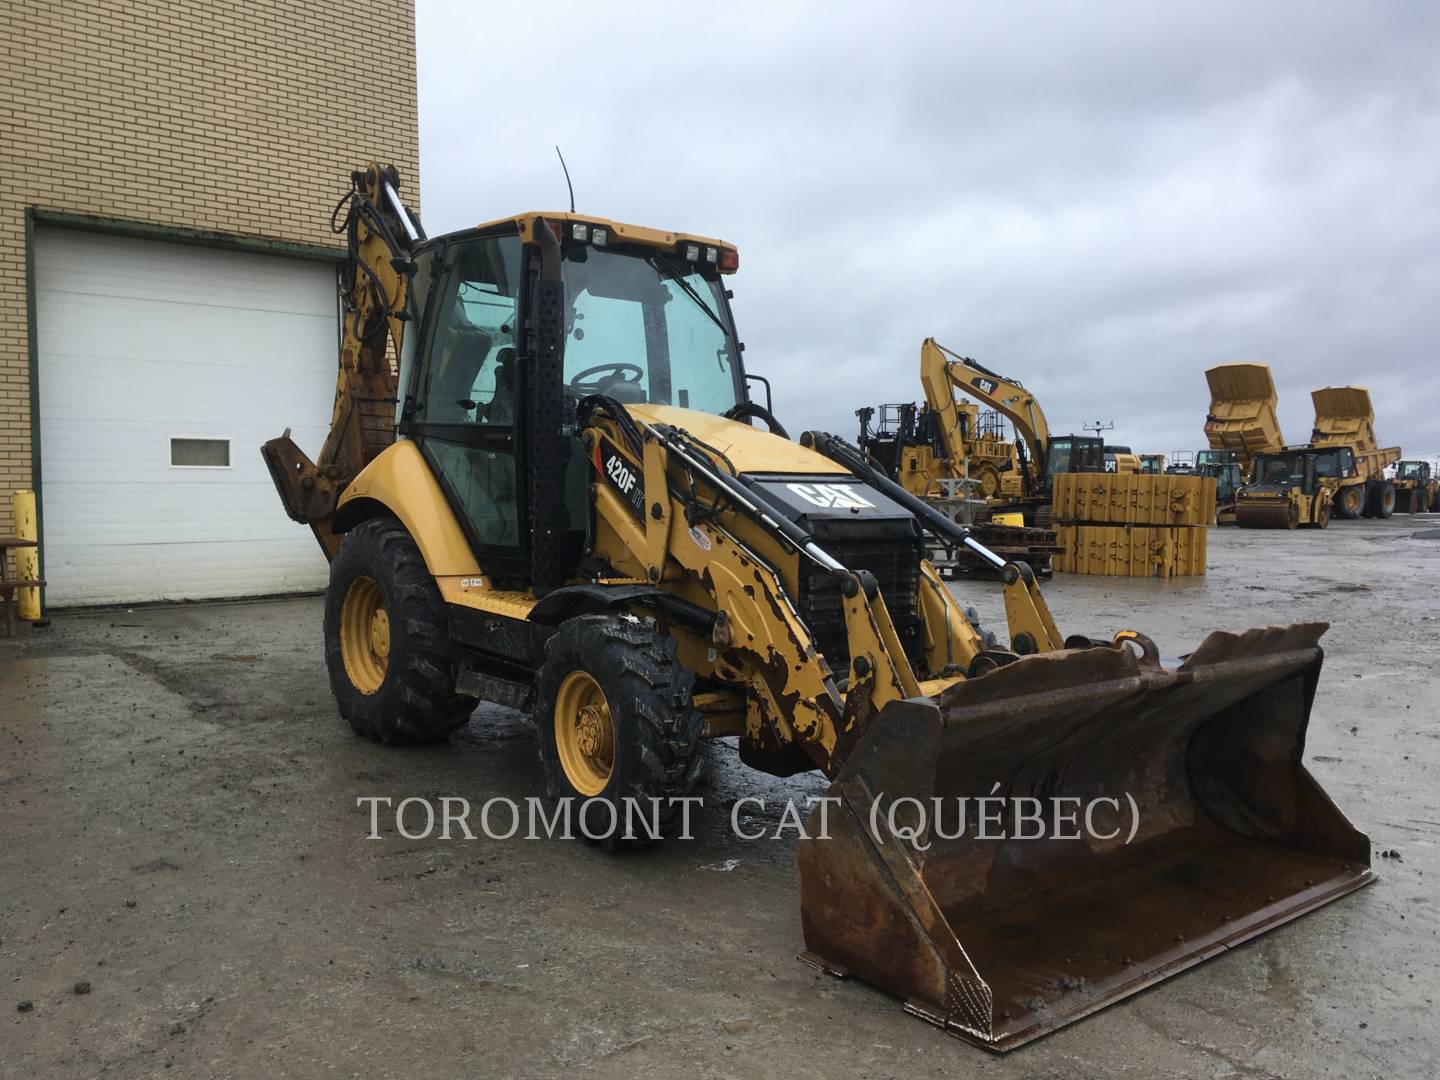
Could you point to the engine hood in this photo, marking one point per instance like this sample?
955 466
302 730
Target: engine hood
750 450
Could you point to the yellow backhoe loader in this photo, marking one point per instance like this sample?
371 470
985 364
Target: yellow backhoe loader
541 488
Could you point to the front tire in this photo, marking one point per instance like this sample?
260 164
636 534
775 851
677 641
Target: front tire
616 724
387 640
1350 501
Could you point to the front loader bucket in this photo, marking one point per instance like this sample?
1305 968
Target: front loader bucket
1219 832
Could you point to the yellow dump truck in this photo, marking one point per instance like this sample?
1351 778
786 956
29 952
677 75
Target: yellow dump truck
1344 417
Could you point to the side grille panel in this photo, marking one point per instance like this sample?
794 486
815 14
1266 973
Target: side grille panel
893 557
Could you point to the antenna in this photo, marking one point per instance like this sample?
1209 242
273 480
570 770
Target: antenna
567 178
1097 427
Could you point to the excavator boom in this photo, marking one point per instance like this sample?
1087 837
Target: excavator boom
1006 396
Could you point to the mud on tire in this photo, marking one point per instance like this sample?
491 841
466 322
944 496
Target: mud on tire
416 701
654 724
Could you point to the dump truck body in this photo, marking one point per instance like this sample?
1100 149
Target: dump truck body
1242 418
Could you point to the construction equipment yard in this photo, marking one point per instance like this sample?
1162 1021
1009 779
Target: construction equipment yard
187 883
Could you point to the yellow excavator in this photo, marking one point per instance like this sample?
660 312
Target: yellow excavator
1037 454
543 488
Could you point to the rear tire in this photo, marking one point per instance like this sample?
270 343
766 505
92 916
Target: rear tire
387 640
1349 502
1384 500
617 724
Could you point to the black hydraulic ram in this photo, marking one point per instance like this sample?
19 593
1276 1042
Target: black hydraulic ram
843 453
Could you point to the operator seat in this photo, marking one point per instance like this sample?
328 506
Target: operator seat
501 409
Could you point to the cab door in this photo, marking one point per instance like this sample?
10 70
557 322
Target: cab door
464 410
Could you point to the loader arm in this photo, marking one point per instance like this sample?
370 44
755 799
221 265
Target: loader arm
379 231
1006 396
718 542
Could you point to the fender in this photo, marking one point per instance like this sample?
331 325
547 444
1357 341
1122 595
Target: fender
400 482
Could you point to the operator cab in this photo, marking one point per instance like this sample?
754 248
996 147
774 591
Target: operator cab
643 318
1301 467
1073 454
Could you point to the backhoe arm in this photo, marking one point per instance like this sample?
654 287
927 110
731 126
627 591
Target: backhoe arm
374 290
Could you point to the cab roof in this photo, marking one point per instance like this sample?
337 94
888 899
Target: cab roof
619 230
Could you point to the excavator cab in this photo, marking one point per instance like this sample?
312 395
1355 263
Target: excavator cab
1073 454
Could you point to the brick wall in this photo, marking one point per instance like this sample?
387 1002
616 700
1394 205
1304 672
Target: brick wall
239 117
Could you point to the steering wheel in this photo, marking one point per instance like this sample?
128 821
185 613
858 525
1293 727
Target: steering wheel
632 374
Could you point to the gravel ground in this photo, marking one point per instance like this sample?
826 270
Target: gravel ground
181 841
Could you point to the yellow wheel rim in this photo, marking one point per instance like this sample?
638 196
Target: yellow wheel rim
365 635
584 733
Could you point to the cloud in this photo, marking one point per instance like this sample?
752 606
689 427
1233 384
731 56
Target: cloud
1101 200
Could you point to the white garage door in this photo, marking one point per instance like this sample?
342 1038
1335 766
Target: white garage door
163 367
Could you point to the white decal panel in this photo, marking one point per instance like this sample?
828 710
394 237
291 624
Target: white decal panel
832 496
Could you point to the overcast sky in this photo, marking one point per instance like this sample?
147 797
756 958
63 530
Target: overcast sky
1101 200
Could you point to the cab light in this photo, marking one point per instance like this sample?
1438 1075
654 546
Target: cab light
600 237
580 231
729 261
692 253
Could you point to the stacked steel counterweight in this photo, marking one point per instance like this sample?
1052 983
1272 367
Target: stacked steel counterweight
1133 524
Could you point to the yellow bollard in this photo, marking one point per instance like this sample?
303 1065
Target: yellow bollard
27 559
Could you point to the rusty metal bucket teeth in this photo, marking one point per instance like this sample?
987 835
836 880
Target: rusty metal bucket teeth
1002 940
